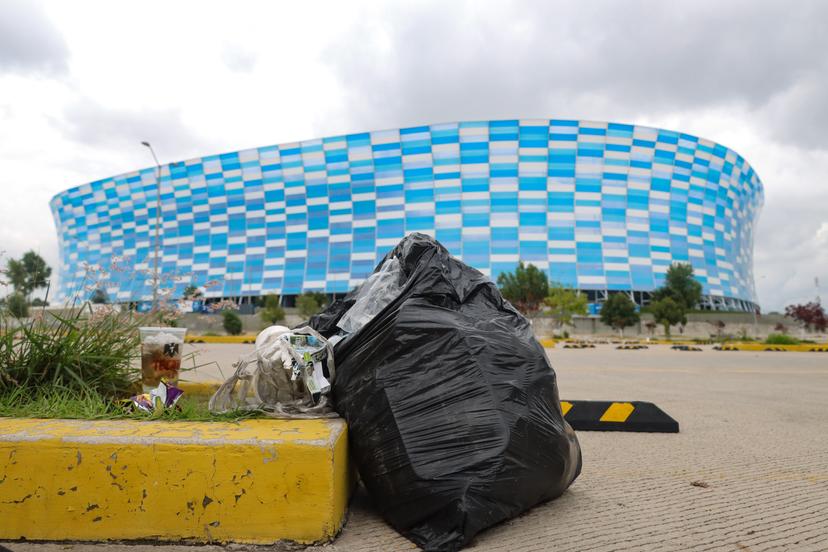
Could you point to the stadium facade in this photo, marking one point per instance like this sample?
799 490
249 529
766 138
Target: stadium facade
602 207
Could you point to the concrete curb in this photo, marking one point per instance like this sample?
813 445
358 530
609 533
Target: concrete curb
255 481
801 348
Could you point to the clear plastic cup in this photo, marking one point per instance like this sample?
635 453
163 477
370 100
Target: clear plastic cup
160 355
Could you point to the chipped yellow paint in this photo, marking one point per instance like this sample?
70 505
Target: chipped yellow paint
565 407
618 412
255 481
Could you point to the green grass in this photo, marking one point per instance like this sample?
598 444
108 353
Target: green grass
781 339
73 404
75 350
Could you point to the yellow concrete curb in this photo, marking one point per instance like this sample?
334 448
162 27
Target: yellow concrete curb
199 388
248 338
801 348
256 481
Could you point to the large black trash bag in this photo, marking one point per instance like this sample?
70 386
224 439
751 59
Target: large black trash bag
452 406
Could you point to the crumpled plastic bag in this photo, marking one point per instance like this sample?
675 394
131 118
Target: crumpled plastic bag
453 412
288 375
373 295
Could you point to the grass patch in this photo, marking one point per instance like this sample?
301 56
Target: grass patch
781 339
72 404
76 349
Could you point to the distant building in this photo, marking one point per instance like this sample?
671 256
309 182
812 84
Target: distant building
602 207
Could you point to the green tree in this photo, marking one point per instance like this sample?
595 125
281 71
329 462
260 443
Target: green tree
668 312
526 288
231 322
99 297
564 303
28 274
17 306
272 311
191 292
308 303
680 286
618 311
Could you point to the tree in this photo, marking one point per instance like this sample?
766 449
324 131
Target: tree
17 306
231 322
272 311
619 312
680 286
308 303
668 312
564 303
810 315
99 297
28 274
526 288
191 293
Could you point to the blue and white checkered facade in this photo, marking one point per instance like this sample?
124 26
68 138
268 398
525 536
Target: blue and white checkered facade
598 206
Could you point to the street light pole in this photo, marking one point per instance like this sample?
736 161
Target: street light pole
157 225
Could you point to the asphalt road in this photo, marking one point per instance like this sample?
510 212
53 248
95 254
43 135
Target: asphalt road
747 472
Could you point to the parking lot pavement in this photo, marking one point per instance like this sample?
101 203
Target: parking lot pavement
747 472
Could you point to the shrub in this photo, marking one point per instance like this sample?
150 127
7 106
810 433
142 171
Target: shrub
16 305
781 339
308 304
231 322
272 311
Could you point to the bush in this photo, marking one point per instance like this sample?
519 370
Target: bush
231 322
16 305
308 304
272 311
781 339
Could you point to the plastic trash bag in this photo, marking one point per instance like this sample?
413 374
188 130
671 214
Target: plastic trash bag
289 375
452 406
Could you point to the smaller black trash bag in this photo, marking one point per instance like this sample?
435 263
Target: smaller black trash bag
451 404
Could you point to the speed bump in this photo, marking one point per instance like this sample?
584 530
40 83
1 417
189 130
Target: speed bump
618 416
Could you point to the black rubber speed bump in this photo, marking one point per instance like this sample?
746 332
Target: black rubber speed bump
618 416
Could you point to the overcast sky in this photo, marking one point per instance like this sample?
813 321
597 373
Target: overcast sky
82 83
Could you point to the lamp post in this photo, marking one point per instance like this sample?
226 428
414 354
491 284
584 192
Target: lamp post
157 225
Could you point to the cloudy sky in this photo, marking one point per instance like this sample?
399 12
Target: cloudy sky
83 82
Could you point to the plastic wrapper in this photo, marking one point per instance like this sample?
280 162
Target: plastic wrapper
163 397
452 406
288 376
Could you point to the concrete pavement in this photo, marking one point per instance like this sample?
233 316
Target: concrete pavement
748 472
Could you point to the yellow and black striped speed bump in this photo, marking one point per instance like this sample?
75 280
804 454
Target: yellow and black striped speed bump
618 416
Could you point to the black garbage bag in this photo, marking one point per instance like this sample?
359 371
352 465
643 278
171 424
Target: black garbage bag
452 406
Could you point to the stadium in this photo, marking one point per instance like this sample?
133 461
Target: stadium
601 207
